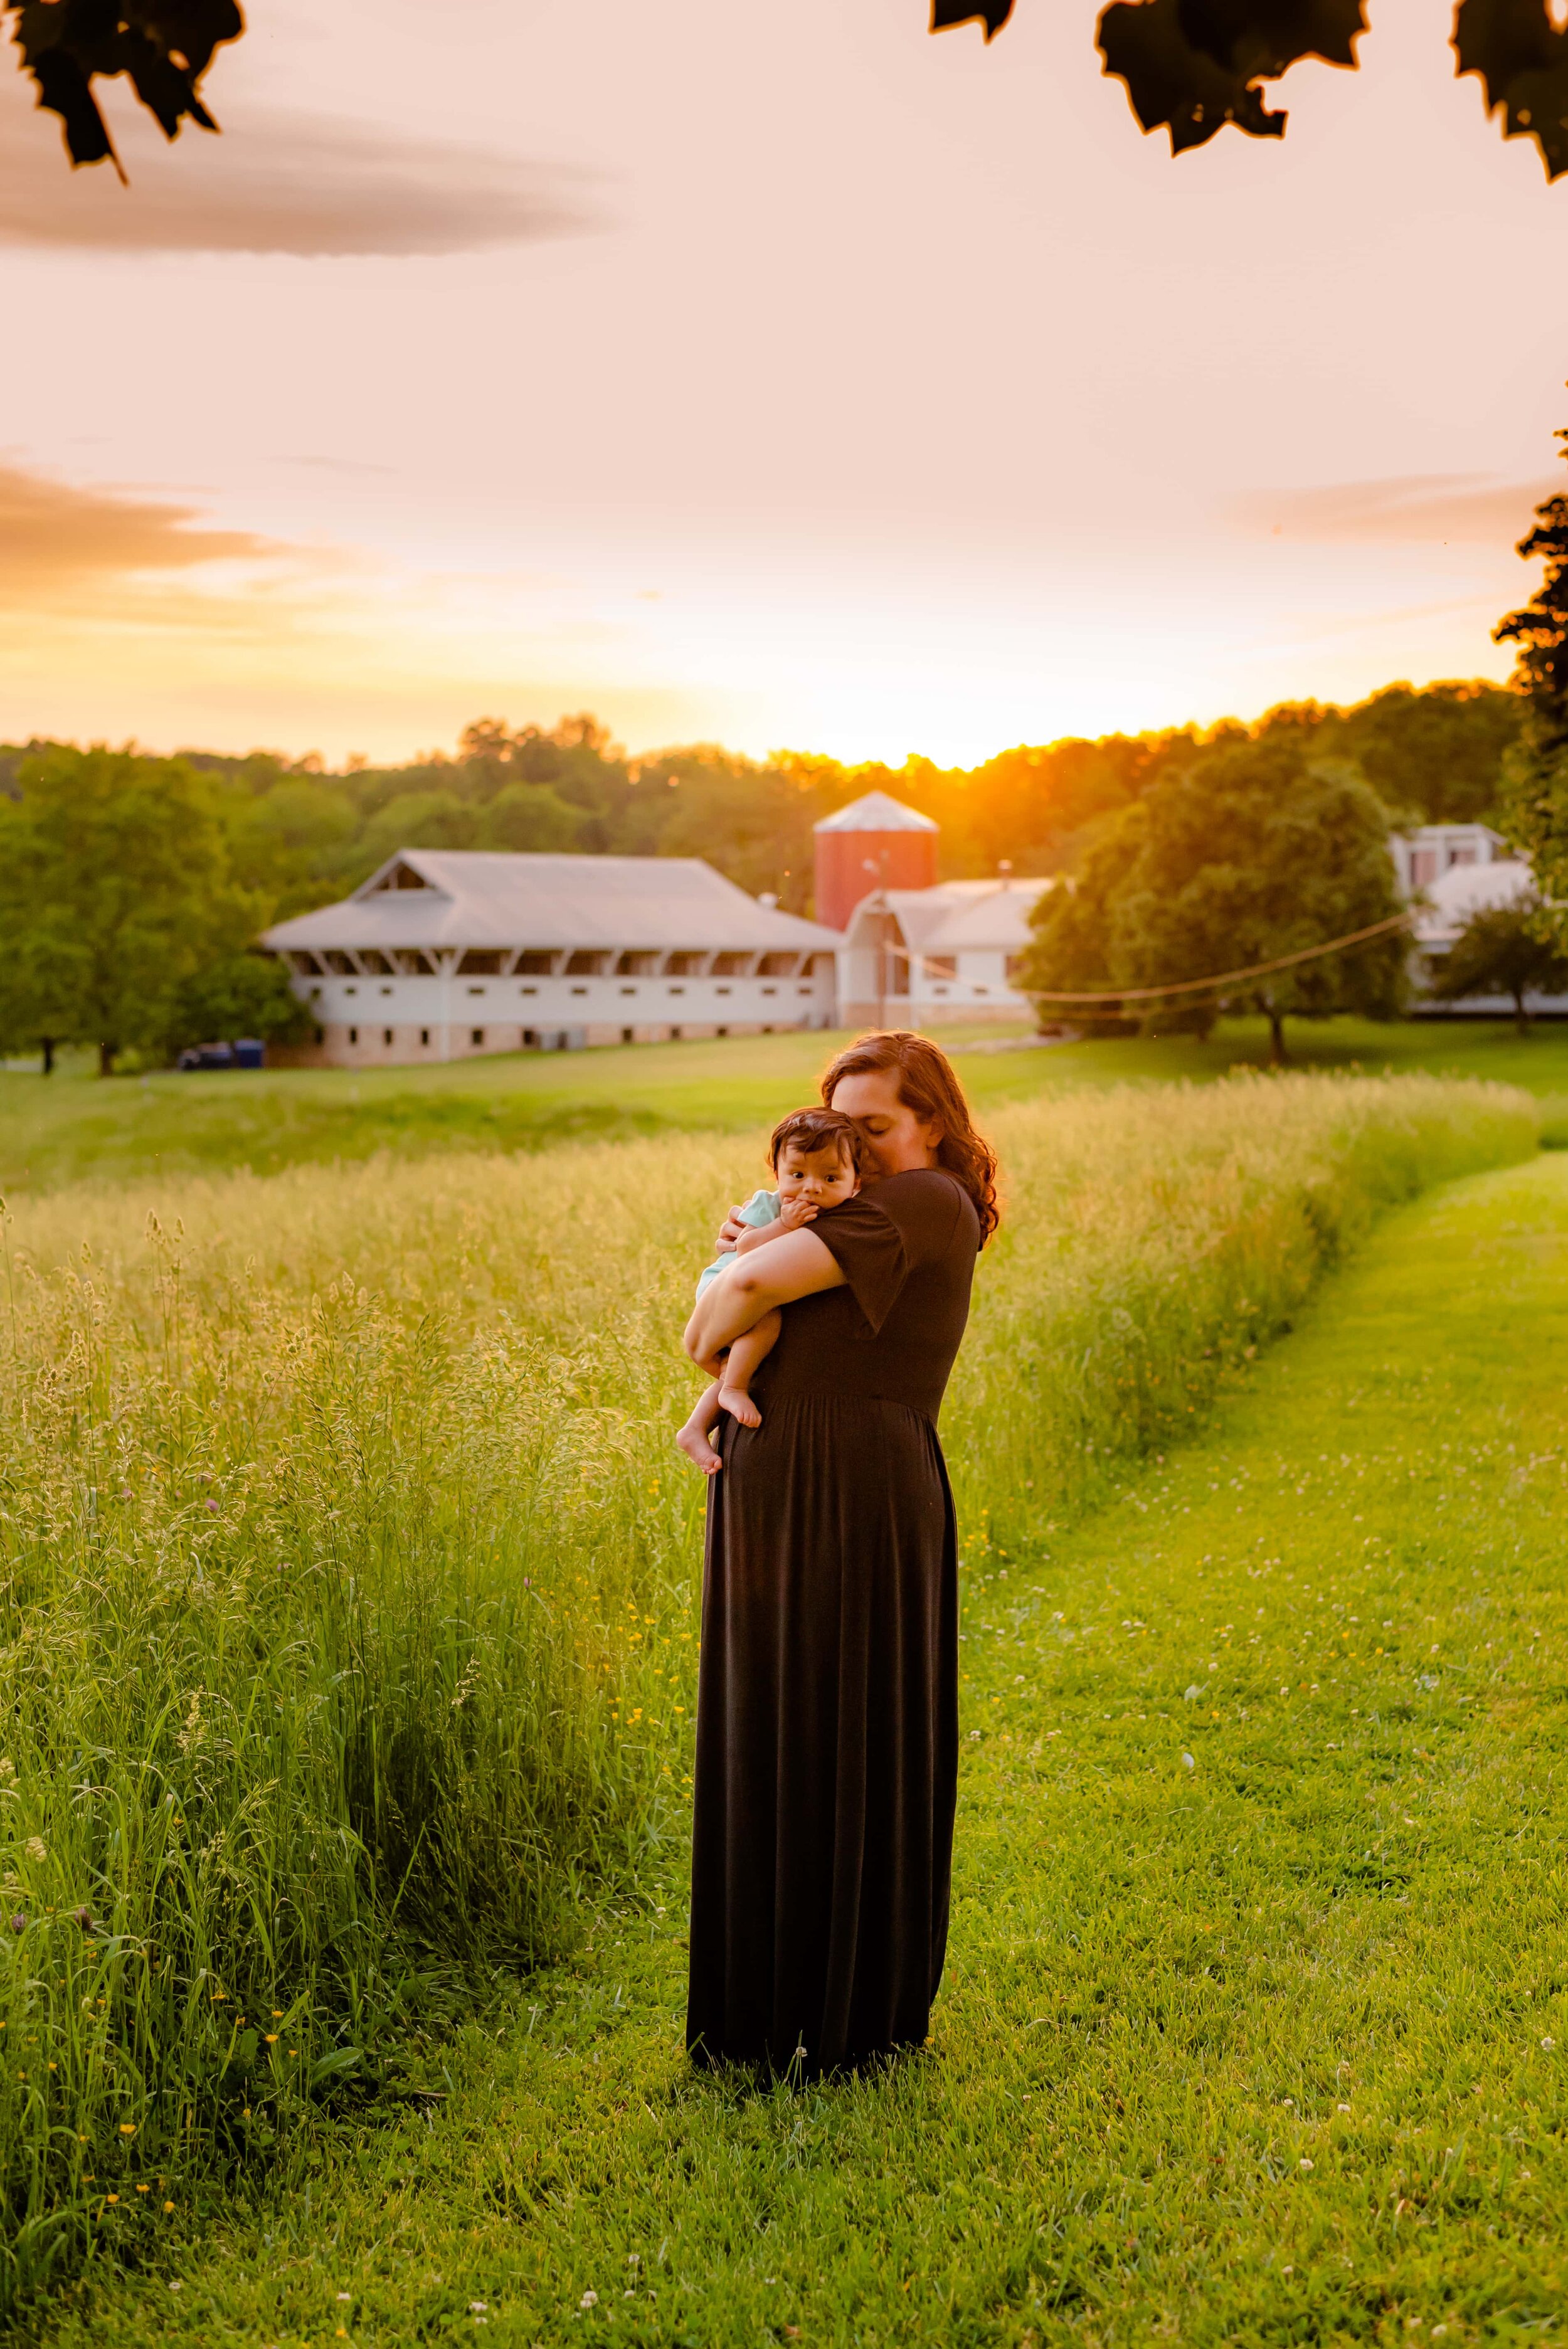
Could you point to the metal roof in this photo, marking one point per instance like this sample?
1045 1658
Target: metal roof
1466 889
472 898
959 916
876 813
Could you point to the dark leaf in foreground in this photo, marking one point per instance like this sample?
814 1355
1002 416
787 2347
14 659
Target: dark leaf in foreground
992 14
163 46
1193 66
1522 59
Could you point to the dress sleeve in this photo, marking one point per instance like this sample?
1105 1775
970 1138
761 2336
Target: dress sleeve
882 1234
868 1249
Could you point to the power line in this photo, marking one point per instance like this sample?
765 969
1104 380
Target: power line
1224 978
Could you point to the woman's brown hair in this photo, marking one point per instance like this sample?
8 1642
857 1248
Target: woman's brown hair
928 1085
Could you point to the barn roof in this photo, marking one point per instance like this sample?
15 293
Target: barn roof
1466 889
960 917
460 897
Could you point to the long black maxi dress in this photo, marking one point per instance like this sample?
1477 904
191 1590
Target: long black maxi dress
827 1734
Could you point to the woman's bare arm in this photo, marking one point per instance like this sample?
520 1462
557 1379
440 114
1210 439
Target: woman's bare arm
798 1265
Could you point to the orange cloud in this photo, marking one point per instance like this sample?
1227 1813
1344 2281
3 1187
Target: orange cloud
57 539
283 182
1469 509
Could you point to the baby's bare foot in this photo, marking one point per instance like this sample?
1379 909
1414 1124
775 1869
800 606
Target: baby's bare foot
739 1405
698 1451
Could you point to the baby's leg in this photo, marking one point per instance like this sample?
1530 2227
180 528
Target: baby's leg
693 1437
746 1356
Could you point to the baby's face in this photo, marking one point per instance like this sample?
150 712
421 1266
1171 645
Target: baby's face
821 1177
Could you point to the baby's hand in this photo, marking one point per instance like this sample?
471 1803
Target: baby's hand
794 1212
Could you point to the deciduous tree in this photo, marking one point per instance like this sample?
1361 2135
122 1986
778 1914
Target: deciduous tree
1503 950
1536 774
1251 850
115 889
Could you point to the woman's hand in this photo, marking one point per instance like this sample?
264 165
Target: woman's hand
730 1231
796 1265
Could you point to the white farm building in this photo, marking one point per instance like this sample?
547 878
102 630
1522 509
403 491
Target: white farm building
444 955
920 957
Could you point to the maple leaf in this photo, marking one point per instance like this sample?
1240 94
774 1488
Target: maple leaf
1522 61
162 47
1193 66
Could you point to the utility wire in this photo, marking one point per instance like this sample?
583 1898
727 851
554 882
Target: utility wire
1224 978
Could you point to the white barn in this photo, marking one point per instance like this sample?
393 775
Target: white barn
444 955
914 958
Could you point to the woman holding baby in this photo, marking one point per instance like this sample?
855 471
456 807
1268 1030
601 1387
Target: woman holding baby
827 1744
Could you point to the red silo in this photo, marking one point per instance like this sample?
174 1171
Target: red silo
875 843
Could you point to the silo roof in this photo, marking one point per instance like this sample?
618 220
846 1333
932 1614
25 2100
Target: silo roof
877 812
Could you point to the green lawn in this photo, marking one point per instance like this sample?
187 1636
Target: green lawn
1255 2025
74 1124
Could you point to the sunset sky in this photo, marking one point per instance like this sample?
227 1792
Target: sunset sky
771 374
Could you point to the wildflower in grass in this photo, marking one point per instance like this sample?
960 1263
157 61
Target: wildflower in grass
478 2307
36 1847
1305 2164
8 1770
1548 2043
84 1917
589 2300
127 2128
168 2206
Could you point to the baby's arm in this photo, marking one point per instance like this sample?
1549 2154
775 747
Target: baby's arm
793 1217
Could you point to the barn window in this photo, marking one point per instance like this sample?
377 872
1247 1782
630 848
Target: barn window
371 959
637 965
336 959
400 876
354 1035
480 962
424 1035
306 965
537 961
586 963
687 964
387 1035
731 966
413 964
778 966
476 1035
941 965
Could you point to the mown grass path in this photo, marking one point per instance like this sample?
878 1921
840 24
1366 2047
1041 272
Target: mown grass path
1255 2027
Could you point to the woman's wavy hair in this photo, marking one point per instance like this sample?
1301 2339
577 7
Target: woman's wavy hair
928 1085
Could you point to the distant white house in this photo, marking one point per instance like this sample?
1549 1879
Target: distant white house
445 954
1460 870
914 958
1423 857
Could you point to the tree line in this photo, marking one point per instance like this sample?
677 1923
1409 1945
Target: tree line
132 887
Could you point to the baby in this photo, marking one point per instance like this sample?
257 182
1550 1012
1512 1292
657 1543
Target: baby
816 1155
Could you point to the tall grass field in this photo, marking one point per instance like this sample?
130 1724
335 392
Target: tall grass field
350 1628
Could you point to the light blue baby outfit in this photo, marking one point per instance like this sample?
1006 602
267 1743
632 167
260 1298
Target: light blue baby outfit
762 1208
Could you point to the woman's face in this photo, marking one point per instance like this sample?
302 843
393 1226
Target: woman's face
897 1139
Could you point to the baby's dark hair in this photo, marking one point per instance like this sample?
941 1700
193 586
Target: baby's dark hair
811 1130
